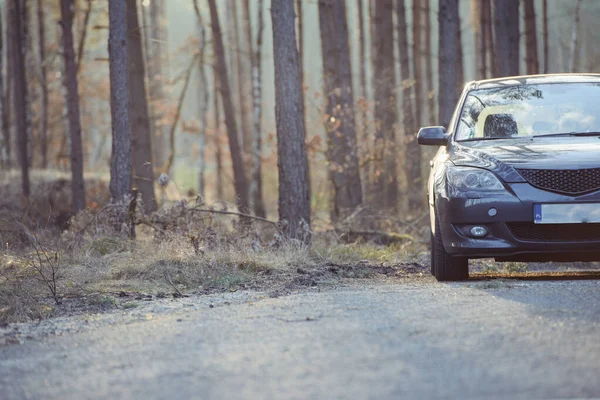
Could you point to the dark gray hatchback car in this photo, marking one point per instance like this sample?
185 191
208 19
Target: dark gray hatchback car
517 174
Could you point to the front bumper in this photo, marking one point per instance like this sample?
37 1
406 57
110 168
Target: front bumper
514 208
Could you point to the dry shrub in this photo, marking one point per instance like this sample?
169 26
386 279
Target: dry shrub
48 207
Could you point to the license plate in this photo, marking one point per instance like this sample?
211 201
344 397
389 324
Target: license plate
582 213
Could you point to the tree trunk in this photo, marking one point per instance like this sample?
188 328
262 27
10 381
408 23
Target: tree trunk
531 58
341 129
82 37
3 100
416 59
17 54
409 125
448 63
139 121
256 181
489 37
6 122
43 134
29 79
460 80
573 48
157 81
385 179
67 11
301 57
217 136
203 96
239 177
506 29
362 91
120 166
479 11
294 183
545 34
477 37
429 66
244 55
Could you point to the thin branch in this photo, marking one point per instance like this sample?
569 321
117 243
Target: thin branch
86 22
169 163
168 278
201 210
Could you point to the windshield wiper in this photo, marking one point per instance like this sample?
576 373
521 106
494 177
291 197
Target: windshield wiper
476 139
568 134
585 134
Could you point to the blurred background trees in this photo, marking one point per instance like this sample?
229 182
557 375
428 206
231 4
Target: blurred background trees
229 104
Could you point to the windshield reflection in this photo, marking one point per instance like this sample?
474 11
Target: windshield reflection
530 110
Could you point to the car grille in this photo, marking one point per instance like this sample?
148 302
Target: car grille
529 231
565 181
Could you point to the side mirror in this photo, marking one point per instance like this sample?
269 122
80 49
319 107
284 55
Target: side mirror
432 136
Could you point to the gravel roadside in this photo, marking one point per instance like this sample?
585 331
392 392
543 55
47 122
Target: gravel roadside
410 338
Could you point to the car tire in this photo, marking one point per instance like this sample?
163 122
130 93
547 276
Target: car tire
444 266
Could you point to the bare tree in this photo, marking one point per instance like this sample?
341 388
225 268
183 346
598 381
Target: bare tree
531 52
429 65
460 79
217 135
67 11
341 129
4 144
256 181
43 134
573 46
384 82
417 57
120 166
409 125
203 96
506 37
362 59
545 35
27 47
244 57
448 63
294 190
300 40
239 177
83 35
17 54
158 77
481 14
139 122
477 37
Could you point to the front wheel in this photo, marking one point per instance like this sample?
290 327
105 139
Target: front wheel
443 266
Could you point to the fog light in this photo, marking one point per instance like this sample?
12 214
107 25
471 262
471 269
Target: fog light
478 231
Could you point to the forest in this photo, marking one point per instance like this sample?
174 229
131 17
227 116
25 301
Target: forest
204 122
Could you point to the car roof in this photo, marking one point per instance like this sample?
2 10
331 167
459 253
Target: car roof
533 79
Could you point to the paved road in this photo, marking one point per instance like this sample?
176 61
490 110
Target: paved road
414 339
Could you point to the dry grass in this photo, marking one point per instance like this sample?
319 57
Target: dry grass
178 251
98 268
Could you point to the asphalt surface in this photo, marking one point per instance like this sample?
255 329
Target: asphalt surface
411 339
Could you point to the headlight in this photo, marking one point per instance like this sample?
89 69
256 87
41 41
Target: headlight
465 178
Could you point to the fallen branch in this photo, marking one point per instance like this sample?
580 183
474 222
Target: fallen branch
384 238
275 224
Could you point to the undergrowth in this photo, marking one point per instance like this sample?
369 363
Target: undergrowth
186 247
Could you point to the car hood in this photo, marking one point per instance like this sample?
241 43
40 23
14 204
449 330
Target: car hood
502 156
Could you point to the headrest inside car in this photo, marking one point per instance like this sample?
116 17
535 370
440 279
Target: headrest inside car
500 125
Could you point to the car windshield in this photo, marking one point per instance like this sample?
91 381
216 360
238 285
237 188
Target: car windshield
530 110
